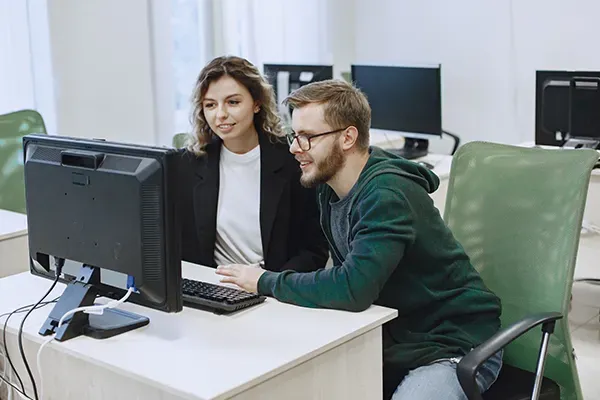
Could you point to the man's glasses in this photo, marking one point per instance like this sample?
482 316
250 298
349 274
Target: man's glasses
304 140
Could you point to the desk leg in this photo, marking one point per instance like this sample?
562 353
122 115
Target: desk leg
352 370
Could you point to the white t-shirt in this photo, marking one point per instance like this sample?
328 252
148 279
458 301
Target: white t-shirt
238 239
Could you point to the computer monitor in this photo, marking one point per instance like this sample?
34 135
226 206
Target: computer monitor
404 99
584 115
566 108
111 207
285 78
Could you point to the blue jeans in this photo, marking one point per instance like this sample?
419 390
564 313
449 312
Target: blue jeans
438 380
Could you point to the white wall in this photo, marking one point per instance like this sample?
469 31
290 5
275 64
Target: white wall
274 31
489 52
25 71
16 83
551 35
341 34
114 75
105 69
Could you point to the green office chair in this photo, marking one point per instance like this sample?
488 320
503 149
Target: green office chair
13 127
180 140
518 212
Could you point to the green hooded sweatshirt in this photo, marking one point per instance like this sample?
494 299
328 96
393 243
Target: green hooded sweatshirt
403 256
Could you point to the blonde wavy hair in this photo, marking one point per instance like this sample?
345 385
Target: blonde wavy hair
267 120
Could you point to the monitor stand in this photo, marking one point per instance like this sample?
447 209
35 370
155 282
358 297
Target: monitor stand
582 143
82 292
413 148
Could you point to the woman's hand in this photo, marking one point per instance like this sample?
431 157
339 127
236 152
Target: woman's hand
244 276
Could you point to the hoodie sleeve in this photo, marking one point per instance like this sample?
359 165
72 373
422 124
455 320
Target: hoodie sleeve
383 229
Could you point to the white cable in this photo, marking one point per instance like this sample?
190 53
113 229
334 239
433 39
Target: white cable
98 310
9 377
39 364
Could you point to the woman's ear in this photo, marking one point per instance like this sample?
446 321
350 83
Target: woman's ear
256 107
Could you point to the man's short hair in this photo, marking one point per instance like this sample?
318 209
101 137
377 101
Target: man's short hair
345 105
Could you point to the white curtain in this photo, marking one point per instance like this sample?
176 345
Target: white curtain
193 41
263 31
25 63
275 31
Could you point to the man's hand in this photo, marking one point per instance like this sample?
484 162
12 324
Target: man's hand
246 277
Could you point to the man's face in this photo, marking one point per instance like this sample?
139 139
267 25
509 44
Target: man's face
325 157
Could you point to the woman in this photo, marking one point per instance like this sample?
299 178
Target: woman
241 199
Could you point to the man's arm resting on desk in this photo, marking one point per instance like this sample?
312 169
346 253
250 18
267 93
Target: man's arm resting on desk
379 239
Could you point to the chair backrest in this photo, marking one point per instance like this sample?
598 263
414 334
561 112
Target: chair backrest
13 127
180 140
517 212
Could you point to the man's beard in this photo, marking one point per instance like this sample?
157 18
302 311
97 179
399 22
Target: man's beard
325 169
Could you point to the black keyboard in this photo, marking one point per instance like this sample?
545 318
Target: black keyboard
219 299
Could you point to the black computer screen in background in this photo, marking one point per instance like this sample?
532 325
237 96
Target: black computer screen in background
584 117
402 98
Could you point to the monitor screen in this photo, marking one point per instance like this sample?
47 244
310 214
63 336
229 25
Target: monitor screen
107 205
403 99
564 110
584 118
555 107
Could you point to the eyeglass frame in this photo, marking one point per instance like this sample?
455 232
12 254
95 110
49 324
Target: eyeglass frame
296 136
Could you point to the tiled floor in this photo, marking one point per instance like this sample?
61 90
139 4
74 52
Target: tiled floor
585 333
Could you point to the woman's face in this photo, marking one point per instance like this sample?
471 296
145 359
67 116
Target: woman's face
229 110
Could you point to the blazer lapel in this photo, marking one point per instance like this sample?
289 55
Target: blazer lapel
206 197
272 182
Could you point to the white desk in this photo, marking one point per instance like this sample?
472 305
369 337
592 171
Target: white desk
588 254
13 243
271 351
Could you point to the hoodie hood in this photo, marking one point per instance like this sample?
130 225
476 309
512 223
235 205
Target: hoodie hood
381 162
384 162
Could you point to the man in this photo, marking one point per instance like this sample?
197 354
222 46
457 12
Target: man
389 246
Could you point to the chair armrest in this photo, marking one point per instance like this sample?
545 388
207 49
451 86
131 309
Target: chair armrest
466 369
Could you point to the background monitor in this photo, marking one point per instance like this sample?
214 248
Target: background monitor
403 99
584 115
285 78
566 106
110 208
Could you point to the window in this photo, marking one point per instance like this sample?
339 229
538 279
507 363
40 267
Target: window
263 31
192 49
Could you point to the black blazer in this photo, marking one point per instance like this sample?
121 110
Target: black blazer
289 216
